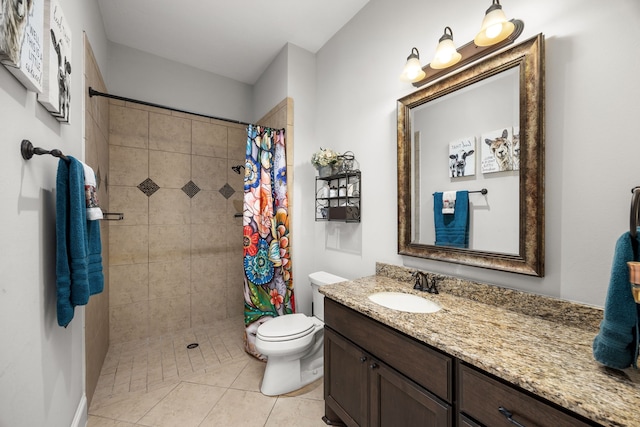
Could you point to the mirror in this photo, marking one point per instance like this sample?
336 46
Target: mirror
473 117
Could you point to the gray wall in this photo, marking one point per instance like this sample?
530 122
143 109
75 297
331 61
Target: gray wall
140 75
592 145
41 364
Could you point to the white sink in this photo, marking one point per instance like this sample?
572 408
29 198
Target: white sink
405 302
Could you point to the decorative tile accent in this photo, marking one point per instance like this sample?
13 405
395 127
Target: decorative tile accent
148 187
98 179
227 191
190 189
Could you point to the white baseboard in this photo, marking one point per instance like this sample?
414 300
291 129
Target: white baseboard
80 418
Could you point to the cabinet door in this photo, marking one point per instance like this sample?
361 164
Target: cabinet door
397 401
346 380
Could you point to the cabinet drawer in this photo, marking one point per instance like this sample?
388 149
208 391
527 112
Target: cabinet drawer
425 366
481 396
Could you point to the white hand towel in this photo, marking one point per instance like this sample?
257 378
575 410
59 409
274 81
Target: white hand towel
91 195
448 202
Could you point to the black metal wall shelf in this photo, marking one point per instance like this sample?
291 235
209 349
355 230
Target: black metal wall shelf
338 197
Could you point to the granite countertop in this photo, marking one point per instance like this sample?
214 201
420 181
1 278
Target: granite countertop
551 358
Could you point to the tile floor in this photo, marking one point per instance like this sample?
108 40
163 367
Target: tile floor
159 382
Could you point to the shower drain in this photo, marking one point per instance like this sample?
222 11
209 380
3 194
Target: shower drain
192 345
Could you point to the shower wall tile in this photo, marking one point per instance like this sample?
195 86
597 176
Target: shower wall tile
234 290
234 233
129 245
234 297
208 240
169 314
129 284
237 144
189 116
169 243
185 253
208 207
169 170
209 173
169 133
127 166
128 127
209 139
208 274
169 206
132 202
129 322
169 279
208 307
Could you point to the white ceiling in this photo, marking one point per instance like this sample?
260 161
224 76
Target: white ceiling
232 38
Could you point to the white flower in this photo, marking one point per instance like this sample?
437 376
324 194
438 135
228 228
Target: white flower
324 157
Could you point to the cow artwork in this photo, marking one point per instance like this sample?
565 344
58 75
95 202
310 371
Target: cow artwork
461 157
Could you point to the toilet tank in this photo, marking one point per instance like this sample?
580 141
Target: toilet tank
317 279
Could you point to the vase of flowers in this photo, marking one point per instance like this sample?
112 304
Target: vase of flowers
325 161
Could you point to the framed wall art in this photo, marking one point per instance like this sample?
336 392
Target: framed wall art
55 96
22 40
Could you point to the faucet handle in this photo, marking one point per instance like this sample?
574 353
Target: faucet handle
432 287
418 277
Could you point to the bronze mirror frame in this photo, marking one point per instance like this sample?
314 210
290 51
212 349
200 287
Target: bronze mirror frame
529 56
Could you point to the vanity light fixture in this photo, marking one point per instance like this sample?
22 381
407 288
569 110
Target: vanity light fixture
495 34
446 52
412 71
495 26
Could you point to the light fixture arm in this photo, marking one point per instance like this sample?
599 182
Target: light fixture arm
494 5
414 54
446 36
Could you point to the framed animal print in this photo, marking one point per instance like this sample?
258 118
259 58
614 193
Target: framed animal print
55 96
21 40
497 152
462 159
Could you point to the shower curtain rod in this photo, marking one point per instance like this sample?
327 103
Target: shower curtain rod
93 92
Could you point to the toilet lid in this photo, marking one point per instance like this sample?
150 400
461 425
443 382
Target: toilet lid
285 328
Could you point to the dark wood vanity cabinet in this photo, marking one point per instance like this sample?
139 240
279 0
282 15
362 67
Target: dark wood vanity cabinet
368 367
375 376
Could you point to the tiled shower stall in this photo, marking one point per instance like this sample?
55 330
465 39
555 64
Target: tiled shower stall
176 258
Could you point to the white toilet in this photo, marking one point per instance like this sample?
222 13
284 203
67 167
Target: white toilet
294 344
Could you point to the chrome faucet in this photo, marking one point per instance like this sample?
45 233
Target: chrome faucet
423 283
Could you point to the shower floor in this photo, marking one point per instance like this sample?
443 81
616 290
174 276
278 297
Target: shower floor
160 382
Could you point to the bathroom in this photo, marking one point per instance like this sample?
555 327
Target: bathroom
591 161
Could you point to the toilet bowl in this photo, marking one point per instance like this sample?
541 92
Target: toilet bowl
294 344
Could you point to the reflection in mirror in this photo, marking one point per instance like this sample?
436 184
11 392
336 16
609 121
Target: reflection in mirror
479 128
458 157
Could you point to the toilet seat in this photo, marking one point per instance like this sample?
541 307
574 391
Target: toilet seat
286 328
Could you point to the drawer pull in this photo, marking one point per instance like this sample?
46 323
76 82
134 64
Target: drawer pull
374 365
363 359
509 416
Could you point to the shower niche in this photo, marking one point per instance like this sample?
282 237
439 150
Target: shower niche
338 197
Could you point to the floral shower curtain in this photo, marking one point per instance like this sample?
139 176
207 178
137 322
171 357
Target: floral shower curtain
268 286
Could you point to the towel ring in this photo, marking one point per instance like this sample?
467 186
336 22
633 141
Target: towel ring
635 212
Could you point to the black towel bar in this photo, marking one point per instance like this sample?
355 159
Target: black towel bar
635 211
28 150
483 191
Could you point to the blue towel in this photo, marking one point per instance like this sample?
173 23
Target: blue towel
78 246
452 229
616 346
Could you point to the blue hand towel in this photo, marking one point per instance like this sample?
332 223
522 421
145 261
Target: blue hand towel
616 345
452 229
78 246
